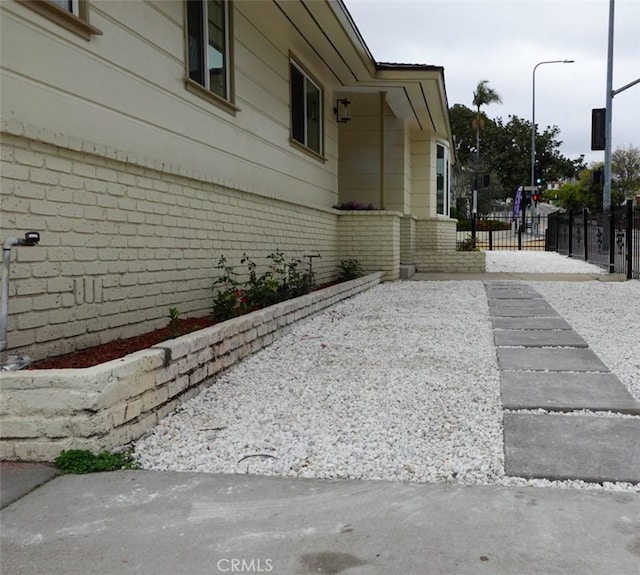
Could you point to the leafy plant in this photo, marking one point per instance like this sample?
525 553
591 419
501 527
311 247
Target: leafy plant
81 461
351 205
173 322
228 300
467 245
349 269
281 281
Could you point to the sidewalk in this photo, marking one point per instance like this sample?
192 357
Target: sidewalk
166 523
153 523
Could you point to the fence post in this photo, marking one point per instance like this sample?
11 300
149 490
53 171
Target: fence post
629 234
585 221
490 238
520 238
570 232
474 224
612 241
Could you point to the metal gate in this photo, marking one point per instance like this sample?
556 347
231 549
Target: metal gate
501 231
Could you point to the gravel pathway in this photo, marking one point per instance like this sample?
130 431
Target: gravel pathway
398 383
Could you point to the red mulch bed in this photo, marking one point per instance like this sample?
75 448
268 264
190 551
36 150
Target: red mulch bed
120 347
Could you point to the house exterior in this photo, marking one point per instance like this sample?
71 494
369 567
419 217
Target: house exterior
145 139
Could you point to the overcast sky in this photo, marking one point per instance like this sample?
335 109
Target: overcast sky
502 40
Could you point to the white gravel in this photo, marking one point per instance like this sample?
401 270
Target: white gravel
538 262
398 383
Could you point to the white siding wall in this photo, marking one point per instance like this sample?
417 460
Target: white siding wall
359 165
125 89
422 175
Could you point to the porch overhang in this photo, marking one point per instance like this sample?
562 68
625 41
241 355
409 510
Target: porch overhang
414 92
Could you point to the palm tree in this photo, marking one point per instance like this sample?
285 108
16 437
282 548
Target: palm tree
483 96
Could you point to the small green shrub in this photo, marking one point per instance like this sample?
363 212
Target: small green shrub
81 461
467 245
283 280
173 322
349 269
483 225
351 205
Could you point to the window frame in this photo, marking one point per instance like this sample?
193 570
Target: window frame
75 20
307 77
227 102
445 181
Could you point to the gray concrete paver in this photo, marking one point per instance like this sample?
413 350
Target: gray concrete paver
561 391
540 311
519 303
538 338
537 359
590 448
551 323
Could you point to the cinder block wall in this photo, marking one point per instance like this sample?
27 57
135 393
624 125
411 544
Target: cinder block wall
373 238
123 239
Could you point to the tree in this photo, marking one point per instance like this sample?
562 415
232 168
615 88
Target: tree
483 96
508 154
625 171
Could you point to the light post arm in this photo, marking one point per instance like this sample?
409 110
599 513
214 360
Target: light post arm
533 115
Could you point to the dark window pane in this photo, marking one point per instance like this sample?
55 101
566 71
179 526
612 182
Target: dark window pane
196 41
297 105
313 116
440 180
64 4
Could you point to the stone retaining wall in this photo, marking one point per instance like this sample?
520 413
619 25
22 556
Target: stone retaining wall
112 404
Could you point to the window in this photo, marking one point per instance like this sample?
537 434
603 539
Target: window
208 52
73 15
442 181
68 5
306 110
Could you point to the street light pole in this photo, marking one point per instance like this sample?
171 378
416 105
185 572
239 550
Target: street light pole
533 117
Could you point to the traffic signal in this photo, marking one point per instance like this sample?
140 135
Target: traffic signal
535 197
597 177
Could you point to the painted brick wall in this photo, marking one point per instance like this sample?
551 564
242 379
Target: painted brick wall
451 262
407 240
373 238
435 234
123 239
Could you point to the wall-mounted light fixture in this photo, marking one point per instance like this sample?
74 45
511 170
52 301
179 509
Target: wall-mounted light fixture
342 110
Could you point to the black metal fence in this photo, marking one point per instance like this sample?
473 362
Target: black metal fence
610 239
502 231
